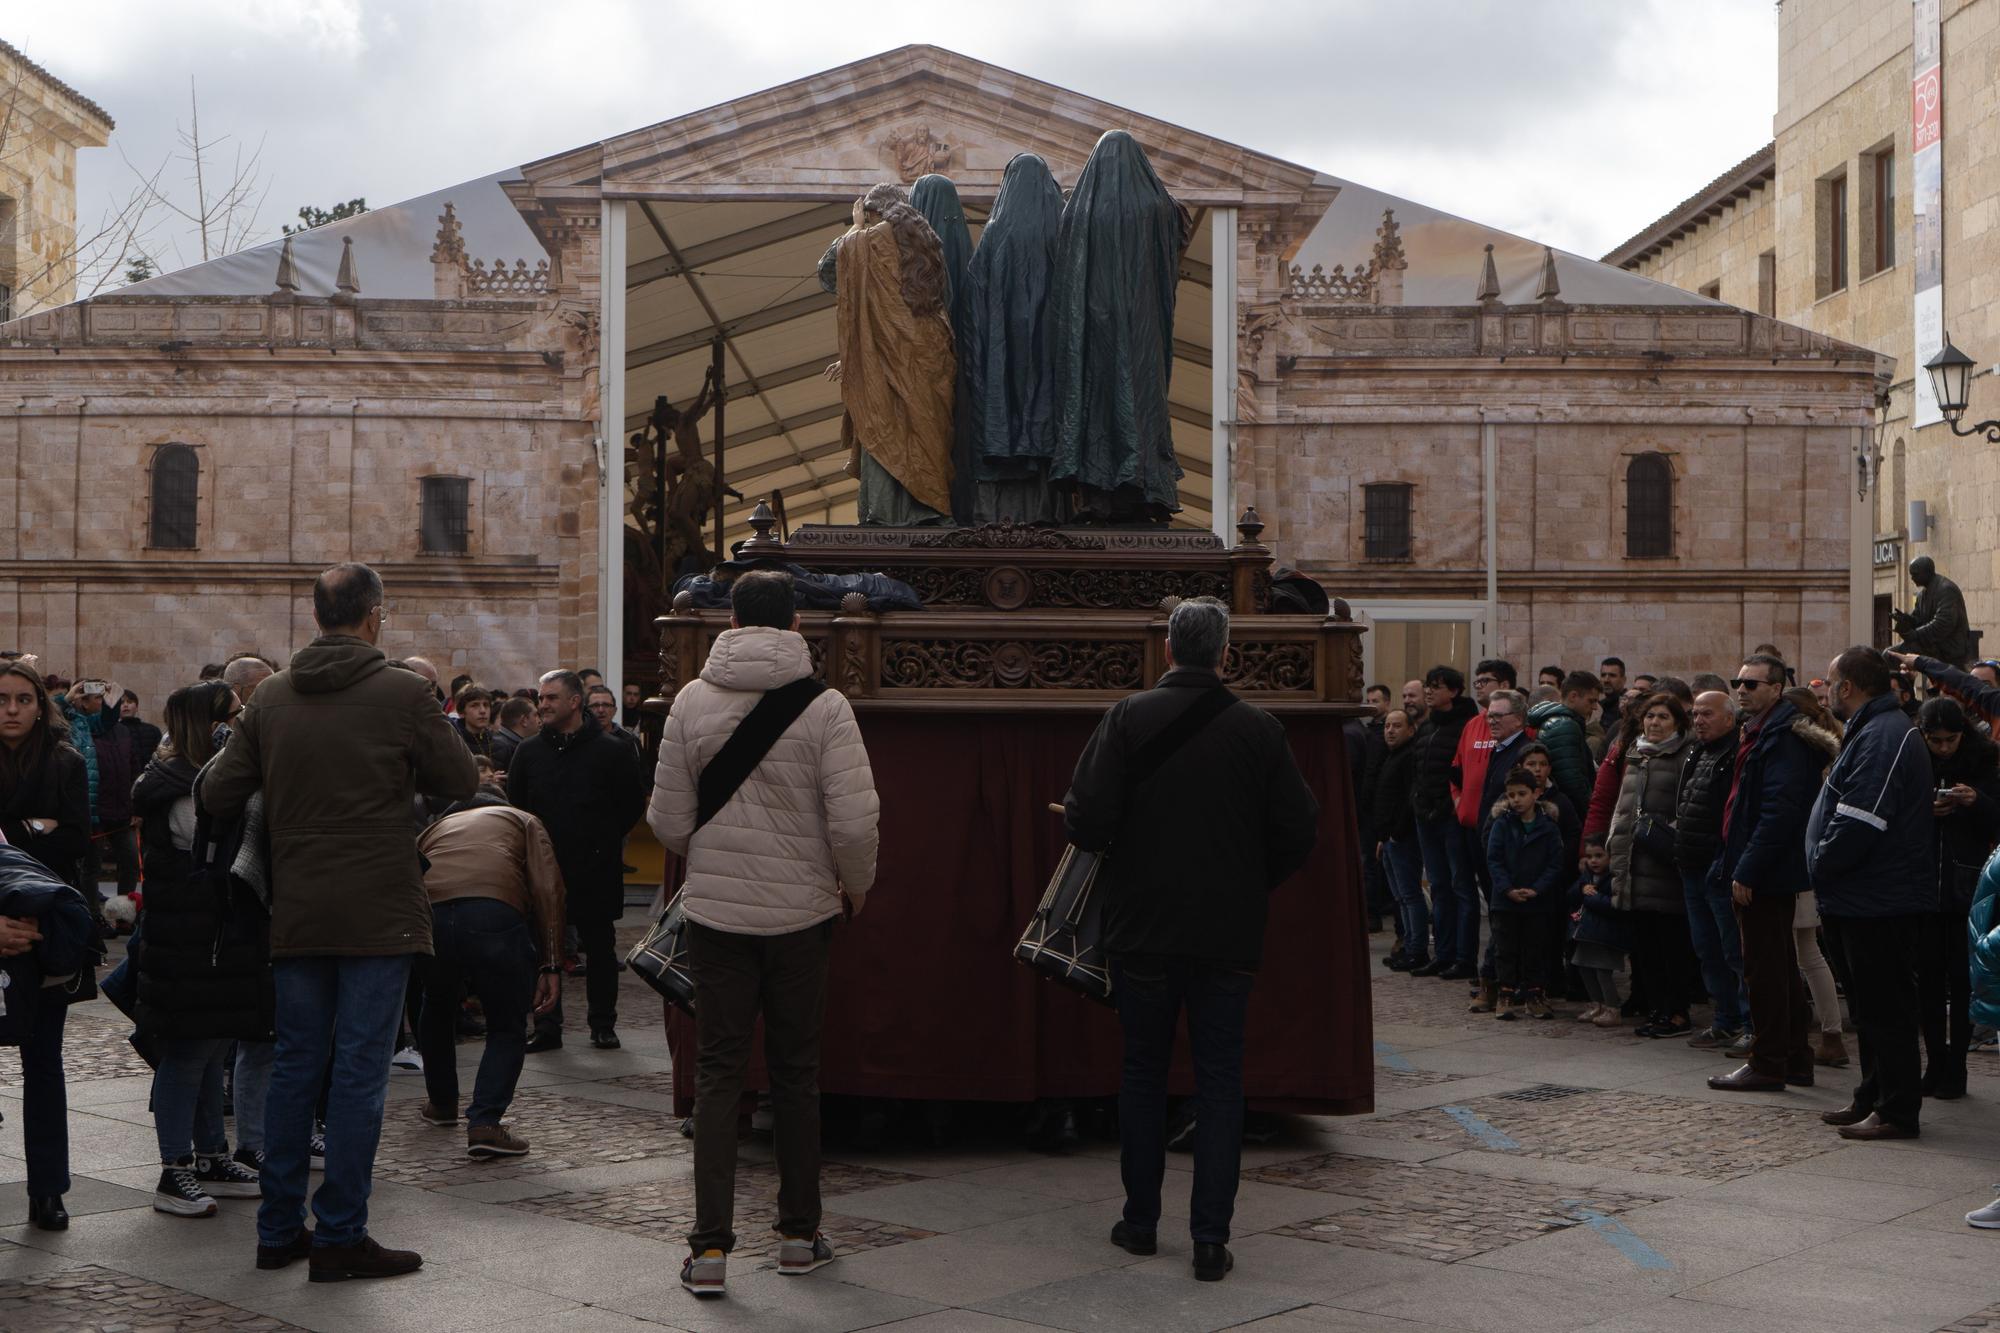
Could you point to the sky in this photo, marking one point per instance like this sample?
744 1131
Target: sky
1571 122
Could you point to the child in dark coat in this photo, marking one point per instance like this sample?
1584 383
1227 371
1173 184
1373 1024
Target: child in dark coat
1524 854
1600 935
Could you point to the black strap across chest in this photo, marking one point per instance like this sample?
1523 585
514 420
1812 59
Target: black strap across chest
1153 754
749 743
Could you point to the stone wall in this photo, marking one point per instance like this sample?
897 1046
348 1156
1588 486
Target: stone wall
309 454
42 124
1758 423
1722 251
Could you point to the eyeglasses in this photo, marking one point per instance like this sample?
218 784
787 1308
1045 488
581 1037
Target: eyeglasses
1746 683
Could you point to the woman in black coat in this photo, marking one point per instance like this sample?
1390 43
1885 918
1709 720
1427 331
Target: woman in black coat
1966 767
45 811
203 959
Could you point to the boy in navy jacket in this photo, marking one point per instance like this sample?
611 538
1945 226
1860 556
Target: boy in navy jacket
1524 853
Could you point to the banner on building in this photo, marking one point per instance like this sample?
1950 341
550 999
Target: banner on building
1927 200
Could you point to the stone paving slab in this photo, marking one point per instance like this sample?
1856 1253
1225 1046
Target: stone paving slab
94 1049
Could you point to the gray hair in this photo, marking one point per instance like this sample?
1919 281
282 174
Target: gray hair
1546 694
1198 632
245 671
1517 703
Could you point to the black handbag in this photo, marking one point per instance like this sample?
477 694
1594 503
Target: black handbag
1064 940
660 957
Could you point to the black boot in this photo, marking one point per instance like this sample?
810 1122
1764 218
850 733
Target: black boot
46 1212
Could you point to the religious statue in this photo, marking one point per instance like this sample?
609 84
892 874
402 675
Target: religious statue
1111 324
878 198
1006 379
673 520
897 366
1937 626
936 198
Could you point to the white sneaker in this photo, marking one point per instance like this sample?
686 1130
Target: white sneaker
1987 1218
407 1058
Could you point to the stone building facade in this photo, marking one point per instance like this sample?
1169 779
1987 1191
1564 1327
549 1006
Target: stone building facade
43 122
1844 110
1487 447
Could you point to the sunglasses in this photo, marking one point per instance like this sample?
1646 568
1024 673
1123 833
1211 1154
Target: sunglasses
1745 683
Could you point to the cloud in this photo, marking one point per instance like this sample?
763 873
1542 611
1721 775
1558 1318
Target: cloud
1570 121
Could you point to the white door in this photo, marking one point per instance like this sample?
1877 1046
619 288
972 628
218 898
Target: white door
1406 639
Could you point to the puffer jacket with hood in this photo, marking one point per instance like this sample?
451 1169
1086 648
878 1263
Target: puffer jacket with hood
1525 856
800 829
1642 879
341 743
1984 929
1560 731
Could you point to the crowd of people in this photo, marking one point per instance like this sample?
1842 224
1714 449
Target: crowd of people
1767 846
341 859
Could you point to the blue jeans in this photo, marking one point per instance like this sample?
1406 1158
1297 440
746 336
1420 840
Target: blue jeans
1403 864
187 1097
1718 946
1447 853
351 1007
1150 993
485 945
253 1085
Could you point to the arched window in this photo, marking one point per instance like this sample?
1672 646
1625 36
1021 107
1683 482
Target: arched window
176 488
1649 507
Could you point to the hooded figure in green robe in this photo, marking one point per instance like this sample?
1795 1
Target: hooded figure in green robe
1111 322
1006 379
936 198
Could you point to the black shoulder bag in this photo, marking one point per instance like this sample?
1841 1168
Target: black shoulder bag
660 958
1064 940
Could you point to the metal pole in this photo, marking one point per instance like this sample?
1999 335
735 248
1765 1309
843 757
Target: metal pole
1489 460
660 489
721 468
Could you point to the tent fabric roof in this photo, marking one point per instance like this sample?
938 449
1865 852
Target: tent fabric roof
729 208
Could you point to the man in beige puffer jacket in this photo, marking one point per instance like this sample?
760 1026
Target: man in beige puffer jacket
766 878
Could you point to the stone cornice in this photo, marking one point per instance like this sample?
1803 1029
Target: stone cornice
150 568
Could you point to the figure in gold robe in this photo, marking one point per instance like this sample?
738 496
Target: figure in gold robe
897 365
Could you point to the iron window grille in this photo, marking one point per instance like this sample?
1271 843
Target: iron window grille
445 520
1386 509
176 492
1649 508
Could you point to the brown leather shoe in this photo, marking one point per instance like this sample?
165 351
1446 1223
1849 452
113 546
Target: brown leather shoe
1746 1079
337 1263
1849 1114
1831 1051
1875 1128
493 1141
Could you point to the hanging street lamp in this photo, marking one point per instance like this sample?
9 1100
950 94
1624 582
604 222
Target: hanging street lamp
1951 381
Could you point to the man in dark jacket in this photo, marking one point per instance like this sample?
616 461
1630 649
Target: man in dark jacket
1764 864
1705 780
588 788
1364 755
1559 725
1447 849
1184 914
1873 866
1394 825
341 744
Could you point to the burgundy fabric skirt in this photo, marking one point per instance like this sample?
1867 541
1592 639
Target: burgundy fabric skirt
925 998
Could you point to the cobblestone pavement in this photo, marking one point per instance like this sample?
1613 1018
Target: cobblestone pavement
89 1299
1630 1130
1546 1175
665 1211
1430 1212
93 1049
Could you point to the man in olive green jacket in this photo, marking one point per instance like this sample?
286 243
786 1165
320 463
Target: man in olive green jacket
340 744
